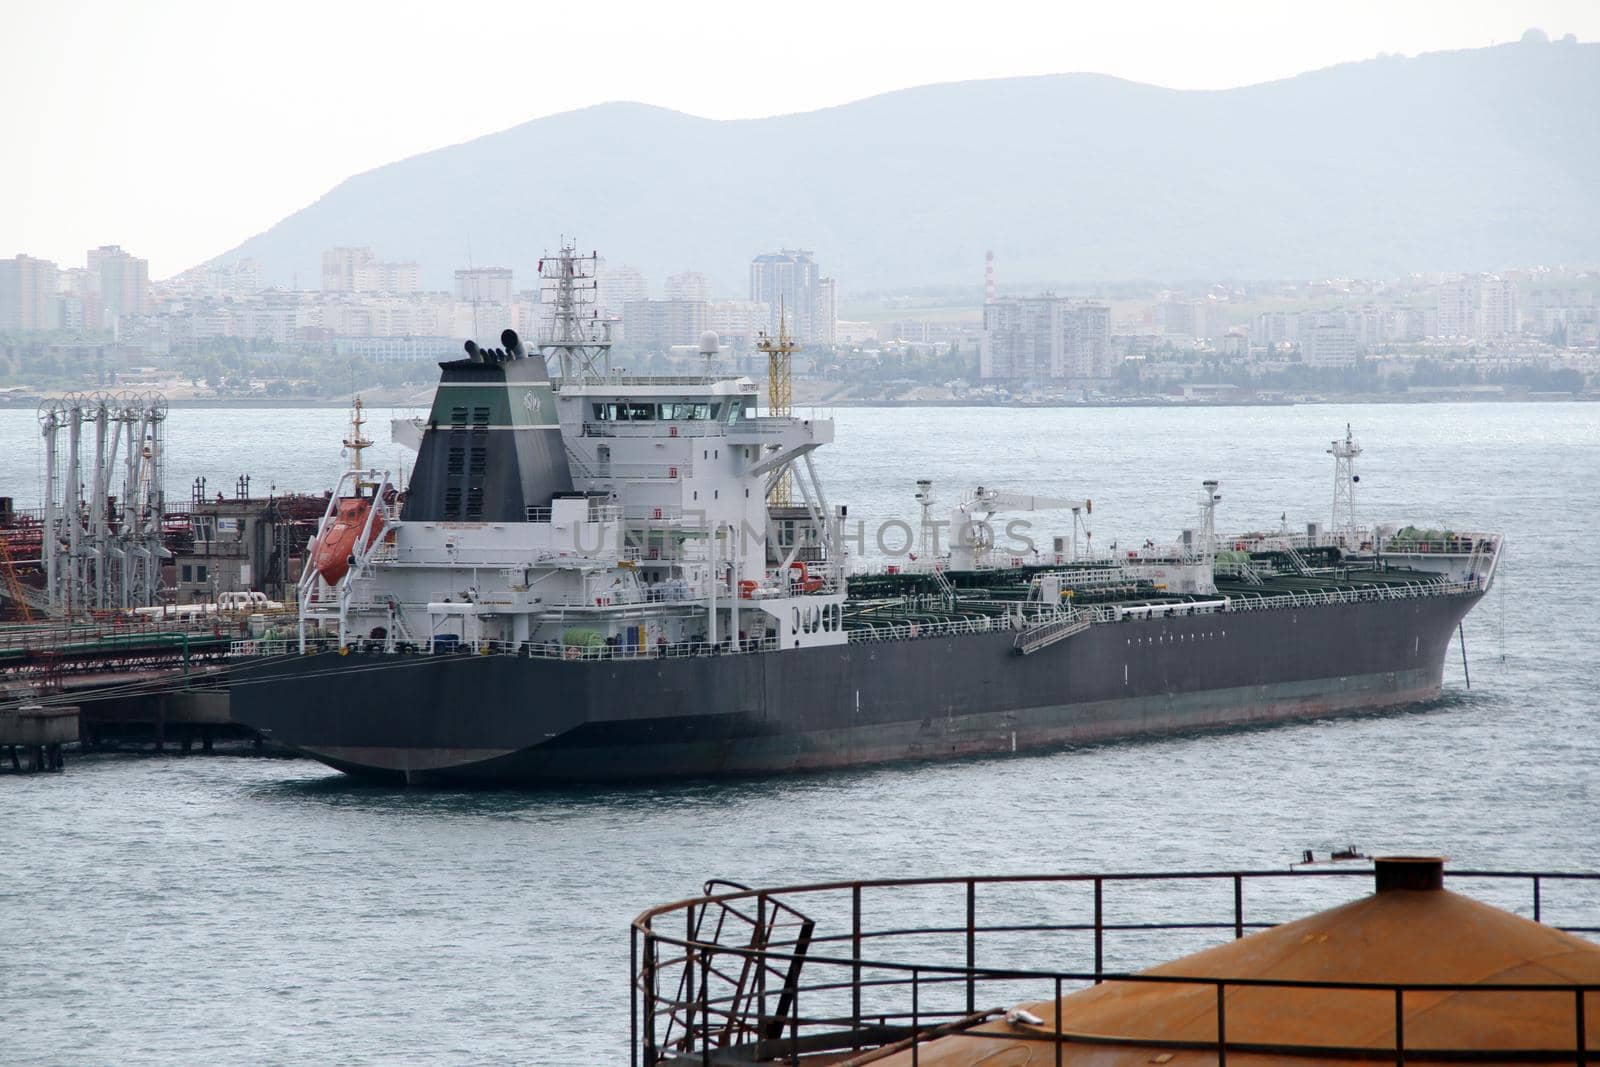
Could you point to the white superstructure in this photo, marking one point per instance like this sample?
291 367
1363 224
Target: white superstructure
665 543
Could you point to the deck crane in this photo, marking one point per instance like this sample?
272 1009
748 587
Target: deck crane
972 537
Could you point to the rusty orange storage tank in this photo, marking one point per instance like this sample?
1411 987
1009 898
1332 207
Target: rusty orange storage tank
1290 994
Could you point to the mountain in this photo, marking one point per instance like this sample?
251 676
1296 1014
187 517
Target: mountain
1470 160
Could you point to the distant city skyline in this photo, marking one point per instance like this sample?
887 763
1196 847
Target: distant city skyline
181 128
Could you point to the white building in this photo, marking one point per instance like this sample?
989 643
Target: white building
688 285
617 286
1045 338
339 266
1481 307
786 281
1328 342
825 316
29 294
484 285
738 322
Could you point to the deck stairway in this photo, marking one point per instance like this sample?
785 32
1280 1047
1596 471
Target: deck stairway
1043 635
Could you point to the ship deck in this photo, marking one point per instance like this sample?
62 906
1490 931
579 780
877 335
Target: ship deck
927 598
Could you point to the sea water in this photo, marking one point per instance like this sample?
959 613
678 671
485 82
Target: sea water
172 909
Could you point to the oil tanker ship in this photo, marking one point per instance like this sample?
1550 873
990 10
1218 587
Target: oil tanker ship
610 577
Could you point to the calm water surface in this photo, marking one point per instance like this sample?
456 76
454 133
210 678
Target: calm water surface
231 909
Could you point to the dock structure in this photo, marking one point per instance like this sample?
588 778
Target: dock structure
128 681
31 736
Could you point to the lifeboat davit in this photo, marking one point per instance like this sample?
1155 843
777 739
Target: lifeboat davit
332 552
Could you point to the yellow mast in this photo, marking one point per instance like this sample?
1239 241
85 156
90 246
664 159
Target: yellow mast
780 393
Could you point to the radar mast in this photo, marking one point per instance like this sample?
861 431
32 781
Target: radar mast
575 334
1344 455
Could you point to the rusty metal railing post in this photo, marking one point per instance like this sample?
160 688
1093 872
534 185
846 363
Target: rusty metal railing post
1537 910
650 1051
633 996
972 945
916 1017
1238 907
1099 930
688 973
1058 1021
1399 1025
1583 1036
761 971
705 1007
1222 1026
855 966
794 1027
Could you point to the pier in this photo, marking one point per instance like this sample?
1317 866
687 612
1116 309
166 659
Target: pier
31 737
125 682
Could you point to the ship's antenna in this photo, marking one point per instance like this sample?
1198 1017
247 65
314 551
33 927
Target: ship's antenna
470 269
577 336
357 442
927 541
1344 455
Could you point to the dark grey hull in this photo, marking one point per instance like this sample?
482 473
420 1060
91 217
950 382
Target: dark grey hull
535 721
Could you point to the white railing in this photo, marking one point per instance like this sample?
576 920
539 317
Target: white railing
655 428
862 632
598 512
554 650
644 471
264 648
662 650
653 512
1460 545
1408 591
765 424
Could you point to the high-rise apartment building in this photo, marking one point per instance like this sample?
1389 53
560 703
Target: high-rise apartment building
400 278
339 266
1275 327
787 280
616 287
484 285
825 316
124 281
349 269
1086 342
81 308
739 322
688 285
1497 314
1481 307
29 294
657 325
1328 340
1045 338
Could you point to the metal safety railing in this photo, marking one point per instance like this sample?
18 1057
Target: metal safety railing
552 650
850 991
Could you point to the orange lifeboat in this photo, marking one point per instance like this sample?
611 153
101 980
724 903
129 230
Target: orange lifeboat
804 580
332 551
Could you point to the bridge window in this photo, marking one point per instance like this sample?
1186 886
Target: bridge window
627 411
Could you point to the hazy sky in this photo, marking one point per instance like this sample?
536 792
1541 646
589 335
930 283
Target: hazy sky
179 128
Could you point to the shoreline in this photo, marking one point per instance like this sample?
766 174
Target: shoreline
248 403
